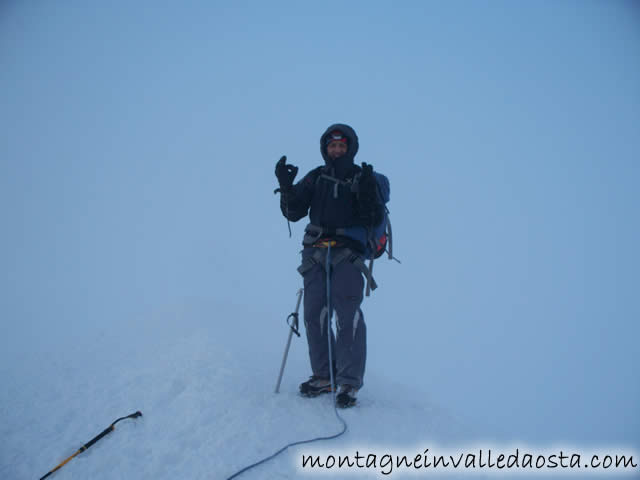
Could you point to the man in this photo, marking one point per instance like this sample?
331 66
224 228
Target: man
345 203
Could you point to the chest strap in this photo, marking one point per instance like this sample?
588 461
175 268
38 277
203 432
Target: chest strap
350 183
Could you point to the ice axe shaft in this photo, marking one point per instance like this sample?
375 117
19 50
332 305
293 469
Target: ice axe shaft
293 328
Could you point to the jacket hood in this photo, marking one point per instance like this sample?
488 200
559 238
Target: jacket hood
352 141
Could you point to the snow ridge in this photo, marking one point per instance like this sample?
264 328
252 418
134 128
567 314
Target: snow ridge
208 404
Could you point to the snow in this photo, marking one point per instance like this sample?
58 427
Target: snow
207 398
146 266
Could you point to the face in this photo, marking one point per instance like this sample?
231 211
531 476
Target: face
336 149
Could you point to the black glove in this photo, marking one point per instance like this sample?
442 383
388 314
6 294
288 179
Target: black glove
286 174
368 187
369 207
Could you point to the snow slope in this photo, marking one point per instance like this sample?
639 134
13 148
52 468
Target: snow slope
205 387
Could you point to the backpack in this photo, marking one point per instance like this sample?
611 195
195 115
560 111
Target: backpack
380 239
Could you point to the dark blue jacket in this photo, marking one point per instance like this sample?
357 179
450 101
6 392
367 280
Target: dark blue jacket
328 194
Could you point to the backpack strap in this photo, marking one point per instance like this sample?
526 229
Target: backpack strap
367 272
390 241
389 234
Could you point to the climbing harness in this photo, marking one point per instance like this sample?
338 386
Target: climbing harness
344 253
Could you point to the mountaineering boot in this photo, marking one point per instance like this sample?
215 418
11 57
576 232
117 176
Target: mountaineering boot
315 386
346 396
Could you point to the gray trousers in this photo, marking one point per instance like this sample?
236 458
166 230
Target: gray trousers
350 347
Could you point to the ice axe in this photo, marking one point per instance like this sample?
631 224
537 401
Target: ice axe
292 321
87 445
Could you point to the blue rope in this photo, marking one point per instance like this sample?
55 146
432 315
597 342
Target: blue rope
333 385
330 318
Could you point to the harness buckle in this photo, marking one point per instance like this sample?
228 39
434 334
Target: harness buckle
326 243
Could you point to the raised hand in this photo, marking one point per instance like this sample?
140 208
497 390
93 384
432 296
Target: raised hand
368 186
369 208
285 173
